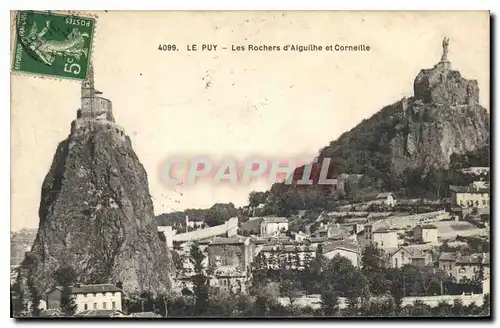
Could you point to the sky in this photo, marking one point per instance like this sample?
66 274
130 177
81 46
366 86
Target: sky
235 104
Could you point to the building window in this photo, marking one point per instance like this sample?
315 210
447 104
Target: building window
104 305
484 202
113 305
95 306
85 307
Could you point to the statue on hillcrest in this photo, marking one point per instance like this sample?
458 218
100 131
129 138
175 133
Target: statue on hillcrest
446 43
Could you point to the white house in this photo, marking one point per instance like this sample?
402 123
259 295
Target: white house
88 297
387 199
385 238
399 258
345 249
474 196
426 234
272 226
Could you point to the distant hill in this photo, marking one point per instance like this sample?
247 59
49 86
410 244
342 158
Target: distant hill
215 215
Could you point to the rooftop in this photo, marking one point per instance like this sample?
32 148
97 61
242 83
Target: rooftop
258 240
287 248
447 256
383 230
477 258
275 219
235 240
384 195
338 232
144 315
88 289
340 245
392 251
418 254
316 239
99 313
469 189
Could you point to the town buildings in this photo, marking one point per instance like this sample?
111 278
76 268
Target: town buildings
407 255
473 196
289 256
88 297
385 238
470 267
272 226
465 266
385 199
399 258
350 251
333 232
426 234
230 259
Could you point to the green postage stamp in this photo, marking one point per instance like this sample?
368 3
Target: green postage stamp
53 44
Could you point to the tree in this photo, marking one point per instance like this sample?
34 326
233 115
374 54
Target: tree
68 304
352 308
486 307
458 308
418 309
265 299
312 272
30 262
443 309
16 294
35 298
222 304
145 298
343 277
329 301
65 276
177 260
200 281
255 198
290 288
374 271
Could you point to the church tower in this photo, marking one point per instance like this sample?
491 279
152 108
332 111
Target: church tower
87 94
92 104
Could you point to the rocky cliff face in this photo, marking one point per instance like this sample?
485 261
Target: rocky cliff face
421 132
434 132
444 86
443 118
96 213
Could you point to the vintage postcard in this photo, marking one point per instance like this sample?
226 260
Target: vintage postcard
250 164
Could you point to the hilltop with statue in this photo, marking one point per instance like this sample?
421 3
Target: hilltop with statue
419 133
